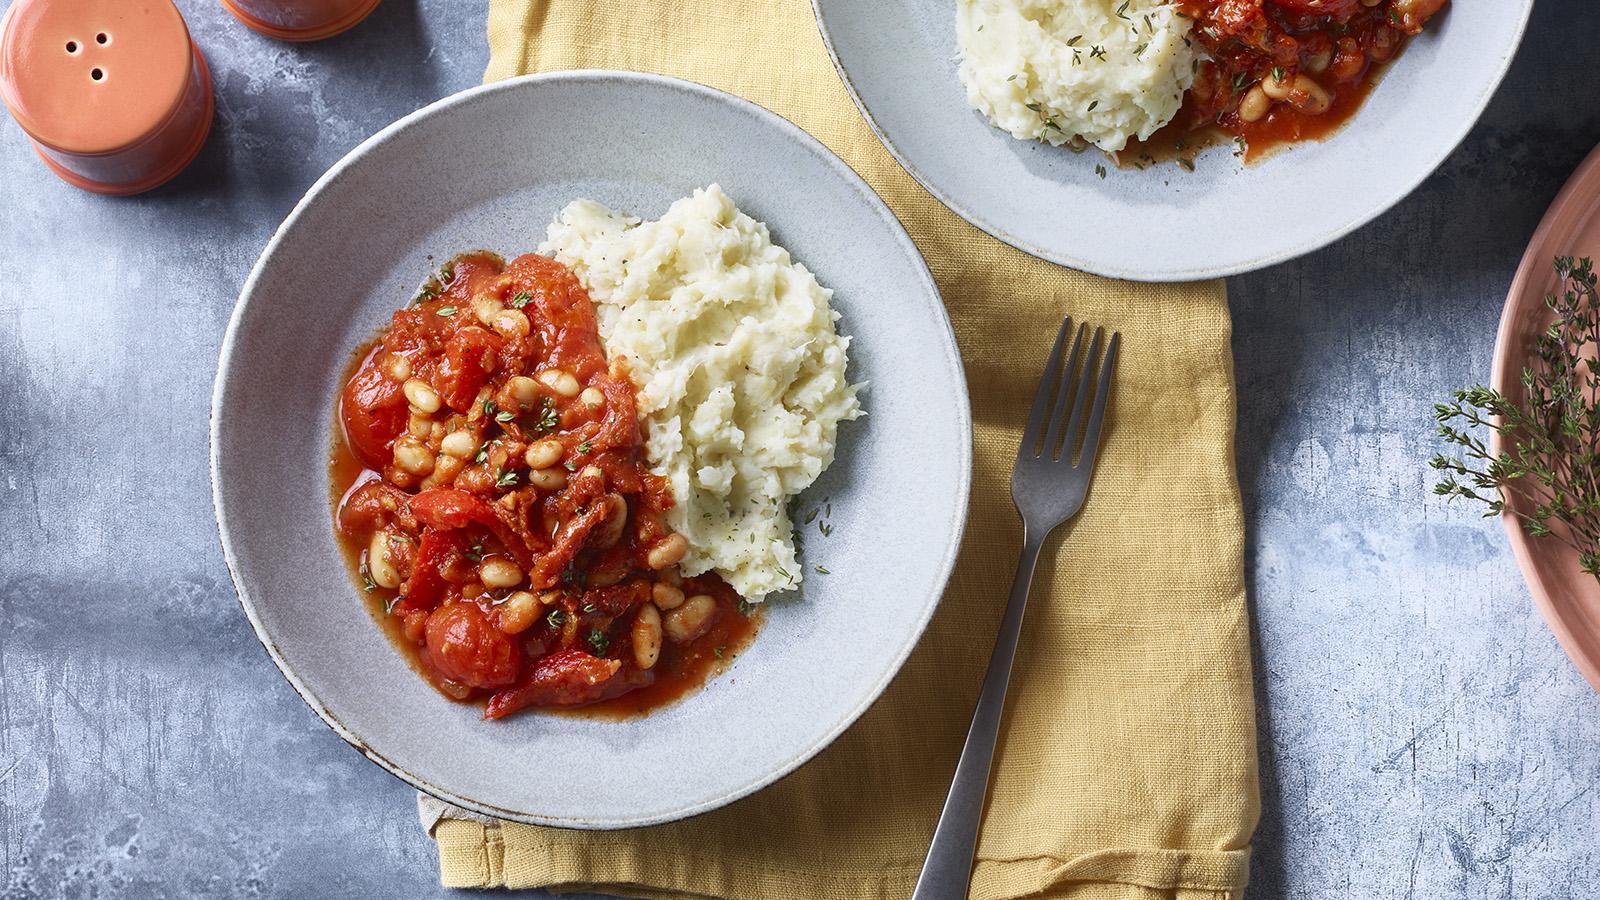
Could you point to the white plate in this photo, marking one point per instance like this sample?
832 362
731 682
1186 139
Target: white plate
898 58
489 168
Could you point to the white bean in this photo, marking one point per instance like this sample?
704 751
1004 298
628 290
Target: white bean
690 620
544 454
422 396
496 572
382 571
647 636
560 381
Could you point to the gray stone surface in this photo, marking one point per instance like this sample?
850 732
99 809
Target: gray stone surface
1423 735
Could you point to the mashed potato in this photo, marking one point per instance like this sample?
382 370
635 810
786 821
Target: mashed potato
1047 70
741 374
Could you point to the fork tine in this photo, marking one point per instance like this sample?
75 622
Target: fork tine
1078 395
1041 397
1091 437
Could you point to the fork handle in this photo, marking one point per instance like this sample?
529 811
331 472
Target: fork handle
948 868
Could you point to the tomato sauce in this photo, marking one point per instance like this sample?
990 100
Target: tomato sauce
1275 72
491 496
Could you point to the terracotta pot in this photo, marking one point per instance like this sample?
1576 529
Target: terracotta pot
113 94
300 20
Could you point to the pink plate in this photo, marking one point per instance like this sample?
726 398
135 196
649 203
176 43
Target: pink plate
1567 596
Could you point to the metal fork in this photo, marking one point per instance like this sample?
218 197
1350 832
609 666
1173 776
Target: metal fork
1048 487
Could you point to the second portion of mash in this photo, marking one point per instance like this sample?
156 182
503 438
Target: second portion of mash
1049 70
742 374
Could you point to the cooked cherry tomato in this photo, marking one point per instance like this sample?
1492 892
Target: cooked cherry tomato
466 648
373 411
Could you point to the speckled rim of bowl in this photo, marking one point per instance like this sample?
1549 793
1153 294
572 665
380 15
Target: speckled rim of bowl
964 447
1577 205
1251 265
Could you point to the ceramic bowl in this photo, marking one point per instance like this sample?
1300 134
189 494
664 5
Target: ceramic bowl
489 168
898 58
1568 597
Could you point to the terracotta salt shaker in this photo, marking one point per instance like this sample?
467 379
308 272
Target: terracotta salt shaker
113 94
300 20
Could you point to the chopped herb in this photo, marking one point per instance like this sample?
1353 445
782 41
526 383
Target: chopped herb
825 528
585 447
489 409
1100 170
1123 9
506 478
548 417
476 552
822 570
429 291
1097 52
598 640
367 584
1093 104
448 273
745 607
1186 163
1139 50
446 311
1277 73
504 415
557 618
784 572
811 517
521 299
570 466
392 602
717 653
589 608
1074 40
483 454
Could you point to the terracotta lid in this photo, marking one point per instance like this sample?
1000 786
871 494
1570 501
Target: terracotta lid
113 93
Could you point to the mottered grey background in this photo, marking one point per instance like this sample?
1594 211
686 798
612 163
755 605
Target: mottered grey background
1422 735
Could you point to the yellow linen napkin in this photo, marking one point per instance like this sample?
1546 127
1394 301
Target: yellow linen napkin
1127 765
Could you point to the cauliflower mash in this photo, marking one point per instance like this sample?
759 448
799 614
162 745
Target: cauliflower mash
1050 70
741 373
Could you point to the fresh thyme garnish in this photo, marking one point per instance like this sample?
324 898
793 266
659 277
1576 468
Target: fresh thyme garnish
521 299
446 311
585 447
548 417
475 553
717 652
598 640
1547 472
745 607
367 584
1097 52
506 478
504 415
392 602
557 618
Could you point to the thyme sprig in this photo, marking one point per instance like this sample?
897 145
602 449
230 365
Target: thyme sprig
1549 457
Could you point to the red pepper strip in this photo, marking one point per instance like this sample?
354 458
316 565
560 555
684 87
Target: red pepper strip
462 373
448 508
426 587
565 678
569 541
